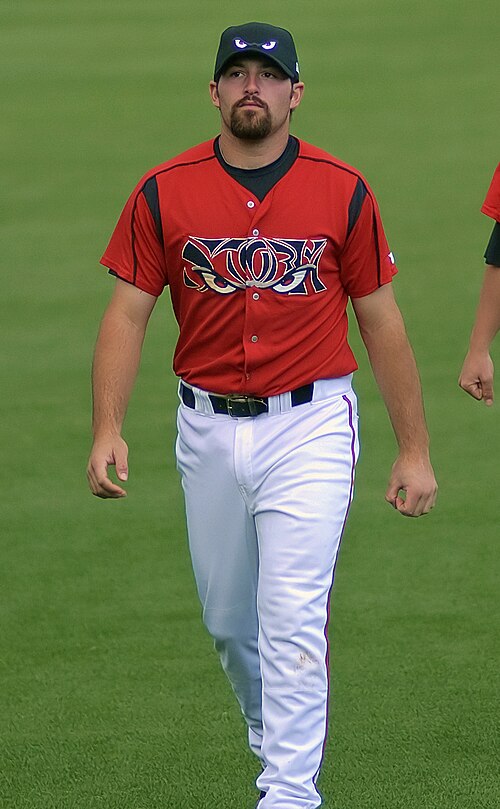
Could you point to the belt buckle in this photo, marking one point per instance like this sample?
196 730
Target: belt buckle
234 402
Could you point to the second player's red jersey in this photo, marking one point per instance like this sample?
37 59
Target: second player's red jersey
259 289
491 205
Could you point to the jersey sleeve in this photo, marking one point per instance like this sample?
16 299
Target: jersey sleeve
135 251
492 252
491 205
366 261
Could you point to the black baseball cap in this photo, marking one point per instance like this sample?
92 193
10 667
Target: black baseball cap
259 38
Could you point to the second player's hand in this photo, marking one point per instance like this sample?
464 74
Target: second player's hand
106 452
476 377
415 478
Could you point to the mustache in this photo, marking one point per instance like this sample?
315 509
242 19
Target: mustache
253 100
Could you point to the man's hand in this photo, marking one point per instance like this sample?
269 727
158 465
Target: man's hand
476 377
416 479
107 452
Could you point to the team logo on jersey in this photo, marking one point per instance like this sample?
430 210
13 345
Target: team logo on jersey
287 266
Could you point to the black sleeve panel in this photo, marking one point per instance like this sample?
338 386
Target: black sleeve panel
355 204
492 254
150 192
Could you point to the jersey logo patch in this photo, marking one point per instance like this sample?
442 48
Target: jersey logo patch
225 266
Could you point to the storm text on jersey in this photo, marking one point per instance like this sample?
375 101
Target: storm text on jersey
287 266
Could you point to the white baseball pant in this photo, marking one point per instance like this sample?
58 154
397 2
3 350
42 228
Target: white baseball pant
267 499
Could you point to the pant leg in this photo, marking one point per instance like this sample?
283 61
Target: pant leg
306 465
223 547
295 475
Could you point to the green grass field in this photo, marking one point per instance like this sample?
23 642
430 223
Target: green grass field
110 693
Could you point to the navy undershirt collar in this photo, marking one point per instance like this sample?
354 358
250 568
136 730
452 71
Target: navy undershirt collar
260 181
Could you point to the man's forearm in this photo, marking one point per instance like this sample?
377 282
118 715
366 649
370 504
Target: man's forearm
487 322
396 374
116 362
412 486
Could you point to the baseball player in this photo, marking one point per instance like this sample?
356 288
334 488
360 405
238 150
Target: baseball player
262 239
476 376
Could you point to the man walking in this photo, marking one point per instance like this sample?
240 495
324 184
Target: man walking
476 376
262 239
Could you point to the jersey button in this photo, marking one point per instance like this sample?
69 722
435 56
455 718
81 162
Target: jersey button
254 338
255 232
250 203
256 296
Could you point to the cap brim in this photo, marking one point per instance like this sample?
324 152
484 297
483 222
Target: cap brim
256 52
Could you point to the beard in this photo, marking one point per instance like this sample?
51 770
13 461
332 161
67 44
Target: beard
250 124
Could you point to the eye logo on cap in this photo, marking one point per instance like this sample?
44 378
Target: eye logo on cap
266 46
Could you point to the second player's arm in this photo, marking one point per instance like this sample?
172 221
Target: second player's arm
116 362
393 363
476 376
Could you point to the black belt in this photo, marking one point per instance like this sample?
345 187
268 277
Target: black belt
238 406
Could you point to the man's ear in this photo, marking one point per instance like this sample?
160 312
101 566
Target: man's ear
214 94
296 94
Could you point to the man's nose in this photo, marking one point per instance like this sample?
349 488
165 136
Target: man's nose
251 84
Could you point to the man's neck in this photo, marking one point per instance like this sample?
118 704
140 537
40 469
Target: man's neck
252 154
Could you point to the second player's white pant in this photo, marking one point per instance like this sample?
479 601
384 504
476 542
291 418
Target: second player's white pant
266 503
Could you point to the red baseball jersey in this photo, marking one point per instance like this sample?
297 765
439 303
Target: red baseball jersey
259 289
491 205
